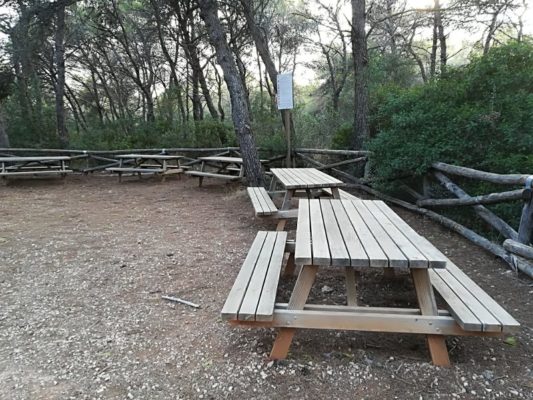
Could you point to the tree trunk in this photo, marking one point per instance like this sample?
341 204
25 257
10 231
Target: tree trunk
239 110
360 61
442 38
4 139
59 59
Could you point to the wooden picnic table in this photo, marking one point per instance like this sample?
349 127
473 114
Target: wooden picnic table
227 168
306 179
24 166
354 235
294 179
159 164
358 235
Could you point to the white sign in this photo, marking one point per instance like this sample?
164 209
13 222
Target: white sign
285 97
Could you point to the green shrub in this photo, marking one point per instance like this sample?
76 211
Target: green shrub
478 116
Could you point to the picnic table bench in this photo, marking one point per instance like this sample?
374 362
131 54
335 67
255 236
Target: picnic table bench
157 164
14 166
356 235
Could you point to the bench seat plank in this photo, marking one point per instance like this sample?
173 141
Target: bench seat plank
252 296
132 169
40 172
261 201
459 282
212 175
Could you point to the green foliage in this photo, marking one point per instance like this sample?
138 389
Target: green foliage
478 116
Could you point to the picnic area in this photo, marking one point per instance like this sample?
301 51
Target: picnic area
257 199
82 277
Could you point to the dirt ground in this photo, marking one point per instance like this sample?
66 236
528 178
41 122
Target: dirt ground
84 263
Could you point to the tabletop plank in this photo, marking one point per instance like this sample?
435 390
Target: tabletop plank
358 256
396 258
321 254
434 255
376 255
415 257
303 254
337 247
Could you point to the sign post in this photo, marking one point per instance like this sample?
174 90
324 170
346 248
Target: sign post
286 104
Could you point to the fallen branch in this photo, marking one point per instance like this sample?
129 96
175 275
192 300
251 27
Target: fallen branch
176 300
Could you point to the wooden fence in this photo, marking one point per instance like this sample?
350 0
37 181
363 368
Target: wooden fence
352 167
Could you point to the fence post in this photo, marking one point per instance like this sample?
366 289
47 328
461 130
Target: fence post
526 220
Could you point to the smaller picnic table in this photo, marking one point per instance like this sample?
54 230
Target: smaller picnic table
228 168
294 179
19 166
159 164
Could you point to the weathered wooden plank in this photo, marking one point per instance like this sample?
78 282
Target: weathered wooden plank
258 206
265 308
369 322
38 159
376 255
319 240
414 256
509 324
361 309
212 175
462 314
255 286
262 192
428 306
490 323
303 252
142 170
27 173
150 156
356 251
337 248
434 255
394 254
236 295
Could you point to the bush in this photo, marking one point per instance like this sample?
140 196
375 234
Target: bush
477 116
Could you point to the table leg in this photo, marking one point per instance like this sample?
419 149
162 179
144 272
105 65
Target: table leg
335 193
290 267
428 306
299 296
285 206
352 276
272 184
